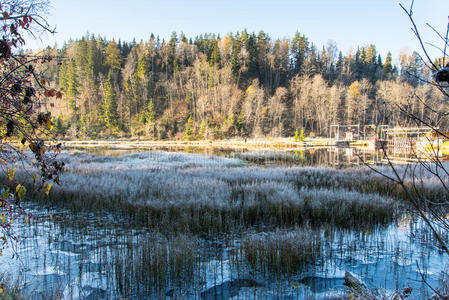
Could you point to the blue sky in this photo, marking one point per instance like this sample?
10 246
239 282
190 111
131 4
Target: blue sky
349 23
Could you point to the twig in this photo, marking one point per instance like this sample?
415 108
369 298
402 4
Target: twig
417 34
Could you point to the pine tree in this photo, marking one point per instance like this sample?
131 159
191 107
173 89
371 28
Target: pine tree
235 63
81 56
299 49
251 47
142 68
388 67
339 66
92 60
188 132
72 85
215 58
110 114
203 130
62 77
59 127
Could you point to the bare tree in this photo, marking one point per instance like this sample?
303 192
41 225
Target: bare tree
276 106
414 179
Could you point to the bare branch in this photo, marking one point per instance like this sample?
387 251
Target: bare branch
416 32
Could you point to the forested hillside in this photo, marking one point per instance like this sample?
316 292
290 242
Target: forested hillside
243 84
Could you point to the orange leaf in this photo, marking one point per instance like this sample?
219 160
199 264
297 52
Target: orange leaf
59 95
52 92
43 81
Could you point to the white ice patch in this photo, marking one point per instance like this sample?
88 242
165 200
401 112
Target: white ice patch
50 270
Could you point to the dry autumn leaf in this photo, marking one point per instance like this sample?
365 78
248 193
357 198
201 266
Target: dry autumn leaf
11 173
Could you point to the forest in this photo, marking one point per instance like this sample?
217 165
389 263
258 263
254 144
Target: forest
239 85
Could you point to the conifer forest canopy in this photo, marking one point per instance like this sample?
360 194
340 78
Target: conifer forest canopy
242 84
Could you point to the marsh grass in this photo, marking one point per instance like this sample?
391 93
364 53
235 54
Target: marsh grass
196 193
287 158
282 252
153 263
141 263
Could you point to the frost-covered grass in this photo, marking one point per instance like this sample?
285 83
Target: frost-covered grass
280 157
198 193
87 163
425 180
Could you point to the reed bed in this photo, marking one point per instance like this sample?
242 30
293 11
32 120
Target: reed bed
197 193
141 263
282 252
295 157
151 264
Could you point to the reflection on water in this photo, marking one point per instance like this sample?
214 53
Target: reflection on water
314 153
87 257
330 157
324 156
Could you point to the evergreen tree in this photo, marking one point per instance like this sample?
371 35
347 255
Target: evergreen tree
62 77
215 58
72 85
388 67
188 130
301 135
142 68
113 58
339 66
203 130
110 114
251 47
92 68
235 63
299 49
81 56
